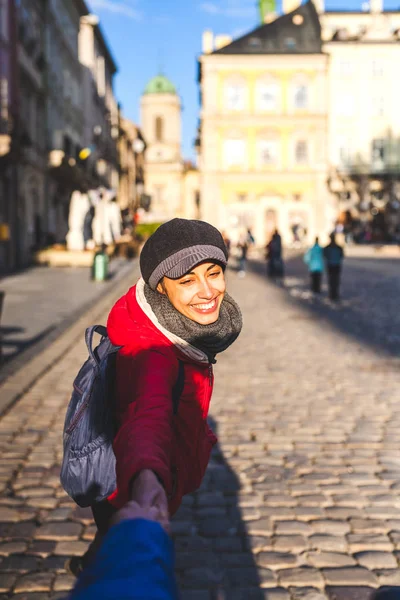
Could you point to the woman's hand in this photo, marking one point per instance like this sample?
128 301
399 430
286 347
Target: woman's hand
147 492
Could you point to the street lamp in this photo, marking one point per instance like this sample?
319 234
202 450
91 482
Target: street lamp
138 145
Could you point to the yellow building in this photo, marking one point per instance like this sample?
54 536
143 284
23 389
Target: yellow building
264 122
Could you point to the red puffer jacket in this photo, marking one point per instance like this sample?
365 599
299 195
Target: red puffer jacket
178 447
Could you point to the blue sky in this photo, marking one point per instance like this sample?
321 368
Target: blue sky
146 35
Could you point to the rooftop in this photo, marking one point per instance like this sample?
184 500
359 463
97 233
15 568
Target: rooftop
298 32
160 85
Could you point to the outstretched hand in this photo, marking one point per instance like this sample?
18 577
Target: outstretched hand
148 493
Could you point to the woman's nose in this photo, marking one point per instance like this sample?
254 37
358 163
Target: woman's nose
205 291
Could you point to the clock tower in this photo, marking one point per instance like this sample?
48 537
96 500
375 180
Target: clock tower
161 124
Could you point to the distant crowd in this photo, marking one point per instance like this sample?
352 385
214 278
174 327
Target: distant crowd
317 258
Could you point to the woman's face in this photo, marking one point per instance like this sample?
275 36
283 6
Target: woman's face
198 294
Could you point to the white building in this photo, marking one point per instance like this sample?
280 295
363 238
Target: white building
100 107
64 110
161 123
364 119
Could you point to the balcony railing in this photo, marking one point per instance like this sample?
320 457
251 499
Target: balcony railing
378 168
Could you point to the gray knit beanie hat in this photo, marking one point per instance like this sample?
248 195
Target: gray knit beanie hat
177 247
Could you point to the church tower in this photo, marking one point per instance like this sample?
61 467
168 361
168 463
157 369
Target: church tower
161 124
267 10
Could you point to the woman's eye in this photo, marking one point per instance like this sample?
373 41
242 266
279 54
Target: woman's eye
215 273
186 282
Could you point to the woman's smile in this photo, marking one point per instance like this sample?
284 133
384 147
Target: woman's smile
206 308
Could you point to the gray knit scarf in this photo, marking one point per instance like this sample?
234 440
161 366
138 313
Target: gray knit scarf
210 339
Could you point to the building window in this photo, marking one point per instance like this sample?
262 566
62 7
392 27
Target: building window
344 156
300 96
159 195
267 152
345 68
4 94
101 76
378 153
255 42
378 106
235 96
4 20
290 43
301 152
377 68
159 126
345 105
234 153
345 152
267 94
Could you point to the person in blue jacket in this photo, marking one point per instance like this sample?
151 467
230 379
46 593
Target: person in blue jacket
134 562
314 259
333 255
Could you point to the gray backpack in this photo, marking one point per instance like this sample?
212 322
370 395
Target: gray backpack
88 466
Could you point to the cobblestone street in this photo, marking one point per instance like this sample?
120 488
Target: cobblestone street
300 501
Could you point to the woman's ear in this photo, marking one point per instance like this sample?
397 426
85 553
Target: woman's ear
161 289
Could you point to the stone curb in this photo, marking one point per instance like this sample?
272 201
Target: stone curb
24 378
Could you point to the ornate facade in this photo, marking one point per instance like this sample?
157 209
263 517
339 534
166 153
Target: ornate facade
9 135
59 120
300 126
364 120
264 129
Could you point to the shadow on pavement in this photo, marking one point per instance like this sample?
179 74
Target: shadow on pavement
18 345
368 310
214 548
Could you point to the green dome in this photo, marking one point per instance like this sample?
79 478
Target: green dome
160 85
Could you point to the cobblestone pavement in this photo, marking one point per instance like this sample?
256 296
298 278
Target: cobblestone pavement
369 310
300 501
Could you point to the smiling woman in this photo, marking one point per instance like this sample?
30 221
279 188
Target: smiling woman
186 290
198 294
169 328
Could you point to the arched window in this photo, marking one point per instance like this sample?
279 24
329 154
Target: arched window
267 152
267 94
301 152
235 94
159 129
300 93
234 152
300 96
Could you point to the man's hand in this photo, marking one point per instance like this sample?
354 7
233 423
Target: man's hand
132 510
147 492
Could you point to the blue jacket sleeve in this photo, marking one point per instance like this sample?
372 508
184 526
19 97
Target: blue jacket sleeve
135 562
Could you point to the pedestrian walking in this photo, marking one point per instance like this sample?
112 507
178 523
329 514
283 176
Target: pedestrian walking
333 255
314 259
134 561
275 266
228 242
178 316
243 250
250 237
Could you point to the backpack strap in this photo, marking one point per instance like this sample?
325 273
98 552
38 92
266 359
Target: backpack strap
178 387
89 334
